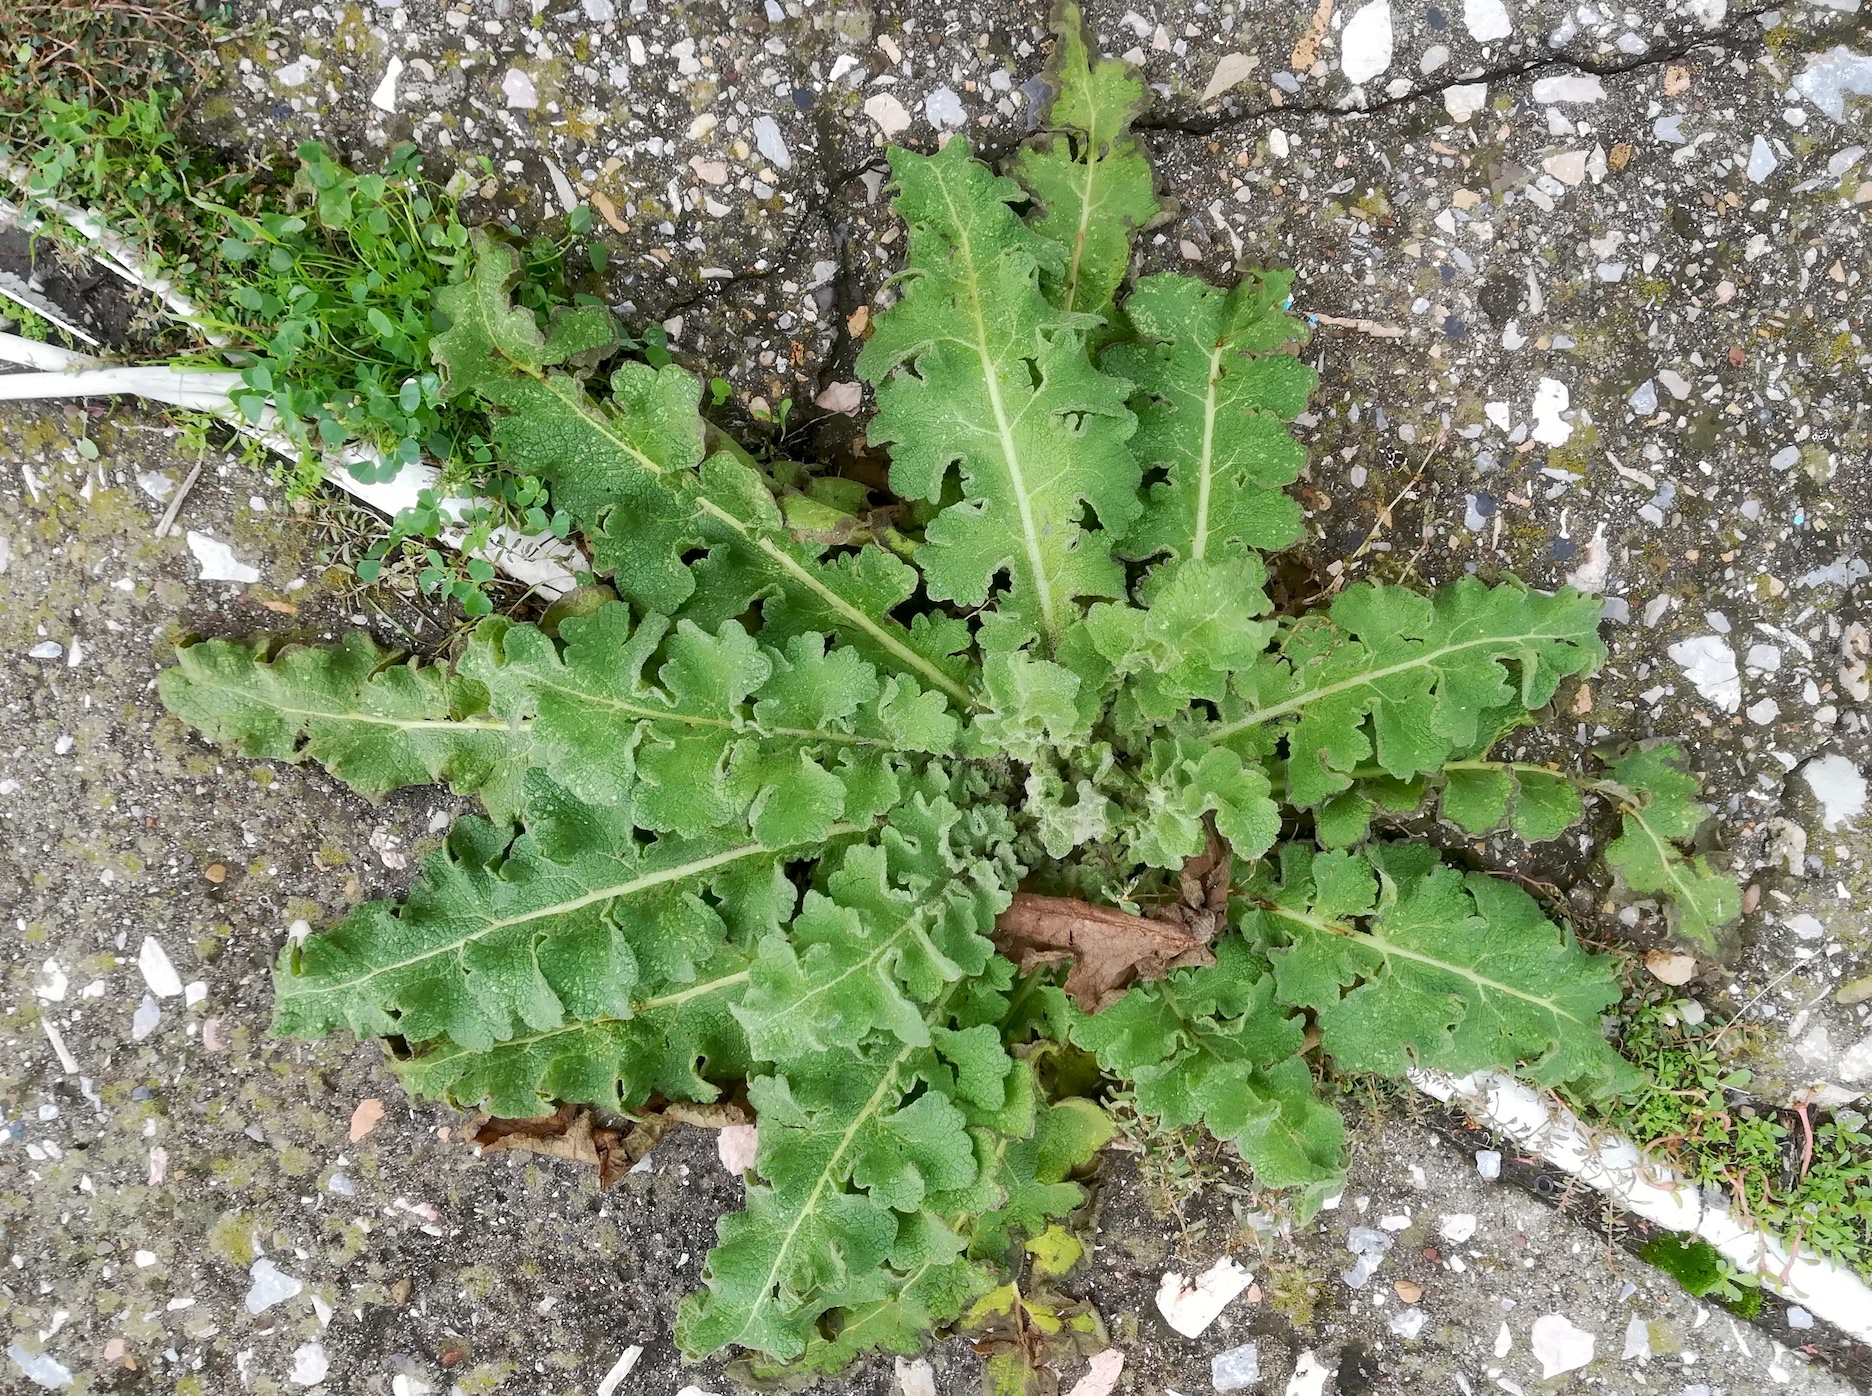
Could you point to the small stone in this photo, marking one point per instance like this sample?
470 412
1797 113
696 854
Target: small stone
270 1286
217 560
1408 1290
1101 1375
1457 1227
843 397
1572 87
158 972
1464 100
1237 1369
1231 69
1831 76
294 74
215 873
1550 400
1797 1317
1487 20
1710 665
39 1368
1408 1323
1560 1346
145 1019
916 1378
1191 1305
1569 167
1840 788
888 113
1668 968
1309 1378
737 1146
1637 1341
772 144
518 88
1762 162
1365 45
944 109
384 97
1643 400
365 1118
309 1365
1488 1163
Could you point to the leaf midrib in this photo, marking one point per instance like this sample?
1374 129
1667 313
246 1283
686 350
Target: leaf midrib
1030 535
596 419
1199 543
1389 948
857 618
674 873
808 1207
700 989
1223 731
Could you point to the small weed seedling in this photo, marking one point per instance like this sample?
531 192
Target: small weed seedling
829 799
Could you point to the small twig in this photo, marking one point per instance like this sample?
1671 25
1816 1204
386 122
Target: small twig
1807 1147
1381 523
1743 1010
1370 327
175 500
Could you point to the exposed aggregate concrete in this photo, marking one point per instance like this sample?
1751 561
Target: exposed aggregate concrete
1614 332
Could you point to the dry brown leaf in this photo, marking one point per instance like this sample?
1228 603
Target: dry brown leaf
572 1133
1204 884
1109 949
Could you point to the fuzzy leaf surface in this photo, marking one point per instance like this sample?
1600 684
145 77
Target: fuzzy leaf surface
546 420
1404 678
374 724
1215 392
863 1158
1089 180
631 467
975 371
898 920
1211 1045
677 1038
498 940
1406 962
694 732
1655 794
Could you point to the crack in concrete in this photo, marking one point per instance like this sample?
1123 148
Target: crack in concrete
1727 38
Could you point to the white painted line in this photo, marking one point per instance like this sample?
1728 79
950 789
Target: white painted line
1616 1167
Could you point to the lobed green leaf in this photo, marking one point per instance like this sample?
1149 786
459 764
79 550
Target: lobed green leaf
1407 962
977 372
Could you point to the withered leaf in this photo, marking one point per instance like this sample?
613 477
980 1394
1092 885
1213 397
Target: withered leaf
1110 949
573 1133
